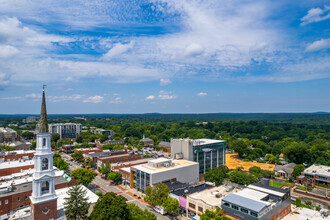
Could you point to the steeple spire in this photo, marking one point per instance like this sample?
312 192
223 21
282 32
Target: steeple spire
43 124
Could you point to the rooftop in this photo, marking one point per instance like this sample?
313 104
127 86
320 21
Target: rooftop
212 196
318 169
175 165
16 163
164 143
18 152
180 189
132 162
268 189
201 141
240 200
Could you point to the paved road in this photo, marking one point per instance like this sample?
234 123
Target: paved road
105 187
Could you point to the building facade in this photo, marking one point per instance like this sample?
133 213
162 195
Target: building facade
315 174
7 135
207 152
161 170
109 133
258 202
65 130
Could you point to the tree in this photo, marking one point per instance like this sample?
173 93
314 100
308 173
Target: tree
297 170
89 162
213 215
60 163
138 214
214 175
129 147
255 169
104 169
55 137
298 202
157 194
28 135
114 176
243 178
239 146
296 152
117 146
110 206
83 176
78 156
76 205
171 205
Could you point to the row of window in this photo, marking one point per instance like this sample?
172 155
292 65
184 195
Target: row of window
18 199
243 210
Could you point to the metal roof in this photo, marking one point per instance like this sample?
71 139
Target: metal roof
241 201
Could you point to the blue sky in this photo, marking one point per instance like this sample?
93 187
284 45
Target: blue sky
168 56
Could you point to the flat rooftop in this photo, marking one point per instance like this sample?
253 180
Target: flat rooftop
201 141
268 189
212 196
17 152
176 165
318 169
143 160
16 163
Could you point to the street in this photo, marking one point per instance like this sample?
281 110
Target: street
99 184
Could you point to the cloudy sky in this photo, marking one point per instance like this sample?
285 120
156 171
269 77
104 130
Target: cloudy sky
168 56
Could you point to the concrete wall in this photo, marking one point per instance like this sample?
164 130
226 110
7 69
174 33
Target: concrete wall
182 146
189 174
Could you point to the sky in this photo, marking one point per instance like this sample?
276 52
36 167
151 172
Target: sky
166 56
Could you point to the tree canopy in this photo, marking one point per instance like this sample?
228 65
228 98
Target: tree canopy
157 194
216 175
114 176
213 215
76 205
83 176
110 206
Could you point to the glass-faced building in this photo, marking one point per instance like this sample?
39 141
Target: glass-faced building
208 153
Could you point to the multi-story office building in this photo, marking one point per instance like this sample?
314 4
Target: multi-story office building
319 174
7 135
161 170
109 133
207 152
65 130
258 201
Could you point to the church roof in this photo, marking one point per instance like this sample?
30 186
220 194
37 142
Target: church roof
43 124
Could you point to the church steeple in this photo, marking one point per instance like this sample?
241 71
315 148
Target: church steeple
43 124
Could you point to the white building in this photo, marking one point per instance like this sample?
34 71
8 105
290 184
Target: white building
208 153
162 169
65 130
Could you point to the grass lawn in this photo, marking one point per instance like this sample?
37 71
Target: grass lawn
279 185
304 188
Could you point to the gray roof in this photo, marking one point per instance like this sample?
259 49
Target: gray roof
244 202
146 139
288 168
164 143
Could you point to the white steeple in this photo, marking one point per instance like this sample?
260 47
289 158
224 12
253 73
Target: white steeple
43 186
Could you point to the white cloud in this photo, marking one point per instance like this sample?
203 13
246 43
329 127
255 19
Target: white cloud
316 15
193 50
165 82
150 97
202 94
94 99
318 45
116 100
166 95
33 96
69 89
7 51
116 50
75 97
11 98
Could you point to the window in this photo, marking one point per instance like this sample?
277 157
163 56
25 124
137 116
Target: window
193 206
254 214
18 199
25 197
6 201
244 210
0 202
44 142
226 204
234 207
44 187
44 164
200 209
46 210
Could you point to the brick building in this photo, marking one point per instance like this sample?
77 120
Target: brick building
106 153
16 190
89 150
118 158
16 155
315 174
165 145
11 167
